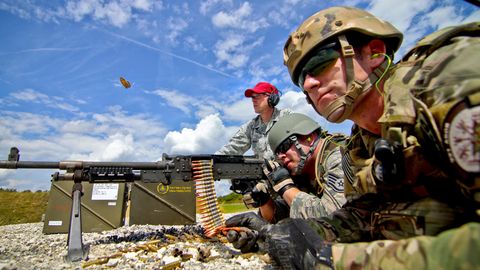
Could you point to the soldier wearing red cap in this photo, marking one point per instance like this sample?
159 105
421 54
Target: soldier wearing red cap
253 134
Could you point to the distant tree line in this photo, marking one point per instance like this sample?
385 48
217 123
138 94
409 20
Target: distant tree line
14 190
230 198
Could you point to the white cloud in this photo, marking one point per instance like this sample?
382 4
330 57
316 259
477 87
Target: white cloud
4 173
120 147
111 136
204 138
19 123
205 6
174 99
474 17
195 45
30 95
234 51
265 67
405 11
201 106
239 19
417 18
240 111
176 27
146 5
283 14
117 13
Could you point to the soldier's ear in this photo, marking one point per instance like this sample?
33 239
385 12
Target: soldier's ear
375 51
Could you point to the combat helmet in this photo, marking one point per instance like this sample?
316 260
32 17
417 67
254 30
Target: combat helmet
288 128
332 25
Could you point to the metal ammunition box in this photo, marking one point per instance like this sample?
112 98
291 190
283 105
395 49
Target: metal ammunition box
155 203
102 207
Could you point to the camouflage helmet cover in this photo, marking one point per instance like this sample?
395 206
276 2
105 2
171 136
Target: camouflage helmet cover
288 125
332 22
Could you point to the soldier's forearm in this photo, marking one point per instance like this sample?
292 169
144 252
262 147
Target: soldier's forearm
290 195
453 249
267 211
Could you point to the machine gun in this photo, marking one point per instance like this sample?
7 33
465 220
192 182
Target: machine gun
243 171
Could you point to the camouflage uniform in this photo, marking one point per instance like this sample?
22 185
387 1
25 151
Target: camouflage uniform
452 249
426 200
253 134
324 200
429 196
431 121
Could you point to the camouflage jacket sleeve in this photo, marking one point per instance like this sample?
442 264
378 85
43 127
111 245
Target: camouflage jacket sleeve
240 142
453 249
332 198
253 134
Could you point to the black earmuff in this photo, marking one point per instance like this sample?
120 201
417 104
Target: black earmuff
273 100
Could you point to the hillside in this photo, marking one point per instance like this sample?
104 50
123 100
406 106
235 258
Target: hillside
22 207
231 203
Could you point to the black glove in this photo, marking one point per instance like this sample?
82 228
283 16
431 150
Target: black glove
246 239
295 245
258 196
278 176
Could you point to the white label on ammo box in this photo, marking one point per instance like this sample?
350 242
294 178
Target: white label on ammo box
105 192
54 223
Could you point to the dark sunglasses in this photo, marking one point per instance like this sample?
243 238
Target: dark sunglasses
285 145
259 95
320 60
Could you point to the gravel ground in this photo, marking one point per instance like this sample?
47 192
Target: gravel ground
24 246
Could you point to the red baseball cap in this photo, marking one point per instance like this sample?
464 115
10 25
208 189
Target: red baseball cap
261 87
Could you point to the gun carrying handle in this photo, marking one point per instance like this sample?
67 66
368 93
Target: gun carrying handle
14 154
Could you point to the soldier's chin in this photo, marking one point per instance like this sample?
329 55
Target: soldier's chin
293 170
336 116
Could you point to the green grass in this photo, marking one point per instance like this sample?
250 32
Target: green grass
231 203
22 207
232 207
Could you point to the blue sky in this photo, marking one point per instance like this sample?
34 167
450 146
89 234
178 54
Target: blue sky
189 63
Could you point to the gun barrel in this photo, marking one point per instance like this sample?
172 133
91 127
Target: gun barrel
64 165
4 164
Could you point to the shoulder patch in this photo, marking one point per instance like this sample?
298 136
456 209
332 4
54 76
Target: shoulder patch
336 183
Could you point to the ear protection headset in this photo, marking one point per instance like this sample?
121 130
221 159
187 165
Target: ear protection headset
273 98
376 55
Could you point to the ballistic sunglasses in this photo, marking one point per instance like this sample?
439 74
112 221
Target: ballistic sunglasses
321 59
285 145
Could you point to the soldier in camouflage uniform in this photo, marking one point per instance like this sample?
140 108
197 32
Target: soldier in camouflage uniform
412 165
313 159
253 134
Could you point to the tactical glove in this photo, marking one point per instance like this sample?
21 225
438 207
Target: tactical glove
295 245
258 196
292 242
278 176
245 239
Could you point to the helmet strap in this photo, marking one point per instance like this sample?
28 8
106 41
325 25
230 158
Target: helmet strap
303 156
355 87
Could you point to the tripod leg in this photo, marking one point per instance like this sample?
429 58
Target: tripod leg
76 250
